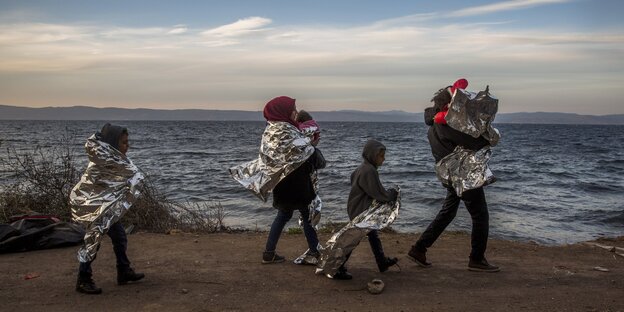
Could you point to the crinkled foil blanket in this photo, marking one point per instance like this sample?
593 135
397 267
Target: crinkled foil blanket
377 217
465 170
283 149
472 114
108 188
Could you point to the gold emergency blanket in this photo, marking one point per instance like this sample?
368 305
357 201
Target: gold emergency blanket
377 217
108 188
283 149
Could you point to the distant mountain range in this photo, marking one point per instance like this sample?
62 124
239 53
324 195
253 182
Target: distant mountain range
93 113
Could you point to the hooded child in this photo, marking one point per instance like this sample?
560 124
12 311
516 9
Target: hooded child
366 187
105 192
308 124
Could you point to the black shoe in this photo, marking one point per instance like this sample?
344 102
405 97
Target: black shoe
86 285
386 263
482 266
418 257
128 275
271 257
342 275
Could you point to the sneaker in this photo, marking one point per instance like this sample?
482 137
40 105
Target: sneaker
271 257
386 263
482 266
342 275
86 285
128 275
419 258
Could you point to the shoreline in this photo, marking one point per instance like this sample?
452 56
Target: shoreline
222 272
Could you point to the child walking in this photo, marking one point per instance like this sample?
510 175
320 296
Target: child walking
105 192
366 187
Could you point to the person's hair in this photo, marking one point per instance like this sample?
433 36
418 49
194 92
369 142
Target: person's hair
441 98
303 116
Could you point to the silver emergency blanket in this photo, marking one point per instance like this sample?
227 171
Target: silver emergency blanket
316 204
473 114
308 257
108 188
464 169
283 149
377 217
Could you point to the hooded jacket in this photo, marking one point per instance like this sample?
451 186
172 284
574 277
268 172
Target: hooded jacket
365 183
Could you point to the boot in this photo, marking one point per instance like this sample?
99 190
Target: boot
385 263
85 285
482 266
128 275
418 257
342 274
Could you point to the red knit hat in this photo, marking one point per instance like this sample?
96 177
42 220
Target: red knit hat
459 84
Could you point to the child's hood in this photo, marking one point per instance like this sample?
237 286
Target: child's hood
309 124
371 150
111 134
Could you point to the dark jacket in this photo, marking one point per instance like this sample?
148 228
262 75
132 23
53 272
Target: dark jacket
443 139
365 184
296 189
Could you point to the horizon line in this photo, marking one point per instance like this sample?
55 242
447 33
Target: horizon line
259 111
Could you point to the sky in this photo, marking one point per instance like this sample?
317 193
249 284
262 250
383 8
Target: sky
536 55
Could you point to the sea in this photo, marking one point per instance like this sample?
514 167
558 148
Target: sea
557 184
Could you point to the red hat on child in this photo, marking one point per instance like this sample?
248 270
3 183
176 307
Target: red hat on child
459 84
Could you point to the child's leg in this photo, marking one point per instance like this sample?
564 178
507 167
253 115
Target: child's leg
376 247
118 236
383 262
85 269
308 230
276 228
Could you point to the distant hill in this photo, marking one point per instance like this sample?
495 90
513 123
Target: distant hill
559 118
93 113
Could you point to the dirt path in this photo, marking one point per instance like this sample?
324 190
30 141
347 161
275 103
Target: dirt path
222 272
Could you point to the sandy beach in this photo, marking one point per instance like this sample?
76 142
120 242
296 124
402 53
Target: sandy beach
223 272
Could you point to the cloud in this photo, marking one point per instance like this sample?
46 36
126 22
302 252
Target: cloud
239 28
178 29
30 33
501 6
394 62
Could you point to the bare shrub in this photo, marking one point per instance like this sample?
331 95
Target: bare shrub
42 179
155 213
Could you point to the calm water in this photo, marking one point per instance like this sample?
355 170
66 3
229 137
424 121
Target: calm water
556 183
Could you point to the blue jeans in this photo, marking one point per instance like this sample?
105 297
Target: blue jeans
118 236
280 221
